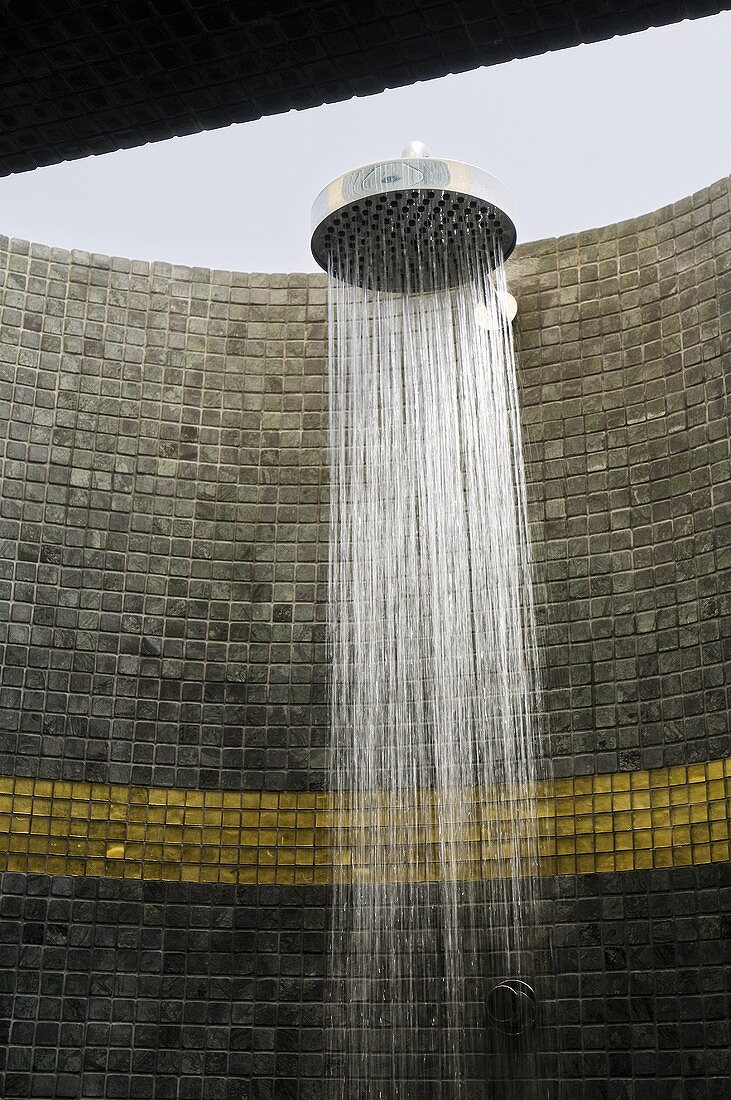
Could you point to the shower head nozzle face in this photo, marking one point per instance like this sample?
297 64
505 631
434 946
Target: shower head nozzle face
407 225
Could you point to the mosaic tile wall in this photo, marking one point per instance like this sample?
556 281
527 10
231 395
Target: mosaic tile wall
624 342
163 525
161 519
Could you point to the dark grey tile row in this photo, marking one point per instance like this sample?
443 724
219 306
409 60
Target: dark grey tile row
136 990
88 77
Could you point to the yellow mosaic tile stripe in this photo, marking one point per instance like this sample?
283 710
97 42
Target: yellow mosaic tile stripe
666 817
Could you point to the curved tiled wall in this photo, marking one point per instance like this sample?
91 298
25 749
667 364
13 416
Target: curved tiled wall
624 340
161 523
163 526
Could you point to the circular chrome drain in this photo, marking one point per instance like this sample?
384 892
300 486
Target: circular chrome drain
512 1007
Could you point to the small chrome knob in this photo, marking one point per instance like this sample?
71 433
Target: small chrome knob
415 149
512 1007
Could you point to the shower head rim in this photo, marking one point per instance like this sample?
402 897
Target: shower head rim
487 187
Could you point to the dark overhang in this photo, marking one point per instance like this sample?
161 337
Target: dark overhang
79 77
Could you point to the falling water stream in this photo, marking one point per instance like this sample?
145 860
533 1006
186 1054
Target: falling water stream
434 683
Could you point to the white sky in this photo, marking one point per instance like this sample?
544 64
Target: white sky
582 137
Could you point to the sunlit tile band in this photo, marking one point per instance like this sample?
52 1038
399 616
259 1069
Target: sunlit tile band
666 817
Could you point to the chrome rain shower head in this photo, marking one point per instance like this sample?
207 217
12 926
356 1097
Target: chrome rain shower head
403 224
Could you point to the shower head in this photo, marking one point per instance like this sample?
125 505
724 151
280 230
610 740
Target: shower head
408 224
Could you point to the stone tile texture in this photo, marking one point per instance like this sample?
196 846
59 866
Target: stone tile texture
624 337
163 548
